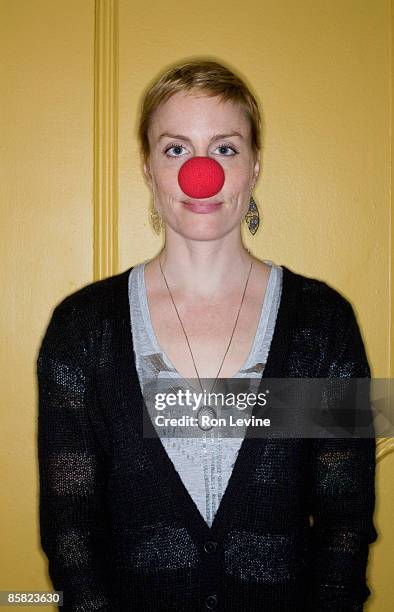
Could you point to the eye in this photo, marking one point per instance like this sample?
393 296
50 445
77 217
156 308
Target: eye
176 147
230 148
175 150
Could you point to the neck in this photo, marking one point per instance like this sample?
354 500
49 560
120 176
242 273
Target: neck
205 269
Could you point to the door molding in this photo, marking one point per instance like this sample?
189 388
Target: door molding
106 119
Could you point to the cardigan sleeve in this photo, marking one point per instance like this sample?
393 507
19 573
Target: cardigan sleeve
73 527
342 494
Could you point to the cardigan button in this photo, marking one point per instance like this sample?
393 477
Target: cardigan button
210 546
211 602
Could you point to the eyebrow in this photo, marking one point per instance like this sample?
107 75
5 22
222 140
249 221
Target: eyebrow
214 137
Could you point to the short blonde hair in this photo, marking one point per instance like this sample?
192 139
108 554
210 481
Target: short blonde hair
203 75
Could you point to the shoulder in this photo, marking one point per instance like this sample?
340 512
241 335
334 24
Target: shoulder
77 318
101 297
324 327
315 299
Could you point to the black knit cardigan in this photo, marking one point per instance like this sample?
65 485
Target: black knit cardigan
117 524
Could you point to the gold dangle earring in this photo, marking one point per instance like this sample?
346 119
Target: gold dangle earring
252 217
155 217
156 220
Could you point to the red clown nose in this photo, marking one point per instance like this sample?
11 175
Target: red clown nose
201 177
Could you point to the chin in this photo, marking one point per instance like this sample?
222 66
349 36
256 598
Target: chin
202 233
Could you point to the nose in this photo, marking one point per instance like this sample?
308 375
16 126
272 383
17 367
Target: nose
201 177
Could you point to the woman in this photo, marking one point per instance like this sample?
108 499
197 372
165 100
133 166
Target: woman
132 522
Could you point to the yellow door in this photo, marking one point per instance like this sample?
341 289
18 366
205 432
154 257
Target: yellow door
75 207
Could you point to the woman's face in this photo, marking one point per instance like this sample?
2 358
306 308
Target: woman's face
189 125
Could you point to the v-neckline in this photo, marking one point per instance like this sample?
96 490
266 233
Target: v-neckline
148 321
251 447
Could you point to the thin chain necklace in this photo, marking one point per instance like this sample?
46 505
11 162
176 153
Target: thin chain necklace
187 339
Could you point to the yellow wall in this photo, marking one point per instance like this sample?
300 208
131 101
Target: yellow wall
73 209
46 55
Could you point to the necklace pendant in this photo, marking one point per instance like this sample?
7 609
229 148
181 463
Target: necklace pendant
205 413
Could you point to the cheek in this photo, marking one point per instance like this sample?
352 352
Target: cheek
237 181
167 180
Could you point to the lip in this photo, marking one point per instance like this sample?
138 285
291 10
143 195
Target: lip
202 207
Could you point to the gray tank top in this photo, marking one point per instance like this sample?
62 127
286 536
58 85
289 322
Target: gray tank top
203 463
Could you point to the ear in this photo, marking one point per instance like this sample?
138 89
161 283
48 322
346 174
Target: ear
147 174
256 171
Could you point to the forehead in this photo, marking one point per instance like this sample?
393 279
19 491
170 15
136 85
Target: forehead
195 113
